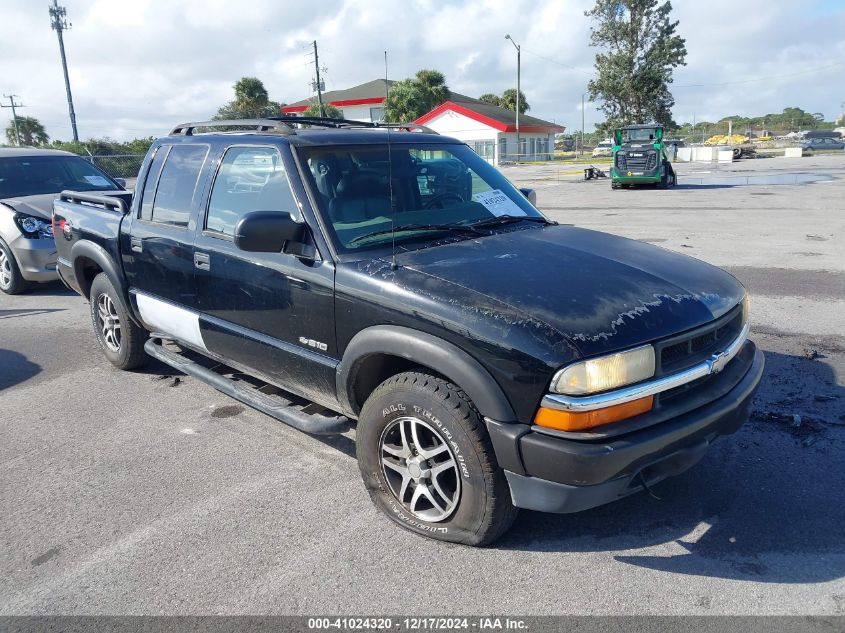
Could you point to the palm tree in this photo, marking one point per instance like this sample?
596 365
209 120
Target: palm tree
251 101
410 98
31 132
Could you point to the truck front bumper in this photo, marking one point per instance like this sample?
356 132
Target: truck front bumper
553 474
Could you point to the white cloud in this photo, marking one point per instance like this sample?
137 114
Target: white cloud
139 66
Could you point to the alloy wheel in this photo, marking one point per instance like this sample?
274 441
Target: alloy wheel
5 270
420 469
109 322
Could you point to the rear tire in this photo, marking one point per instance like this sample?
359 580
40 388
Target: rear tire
427 462
11 279
120 338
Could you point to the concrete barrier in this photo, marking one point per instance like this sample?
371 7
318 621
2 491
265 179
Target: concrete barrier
684 155
792 152
702 154
725 155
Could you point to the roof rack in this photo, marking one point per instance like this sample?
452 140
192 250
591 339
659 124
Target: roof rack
349 123
260 125
285 125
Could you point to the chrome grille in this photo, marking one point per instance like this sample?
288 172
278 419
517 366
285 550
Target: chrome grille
686 350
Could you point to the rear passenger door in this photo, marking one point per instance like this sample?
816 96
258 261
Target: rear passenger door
158 259
270 312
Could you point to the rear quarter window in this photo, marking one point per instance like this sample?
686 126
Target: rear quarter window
168 197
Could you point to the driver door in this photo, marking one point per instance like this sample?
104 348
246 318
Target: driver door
272 313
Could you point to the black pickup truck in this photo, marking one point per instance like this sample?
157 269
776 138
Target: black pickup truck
341 274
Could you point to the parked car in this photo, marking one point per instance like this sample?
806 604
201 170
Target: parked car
605 148
822 144
490 358
30 179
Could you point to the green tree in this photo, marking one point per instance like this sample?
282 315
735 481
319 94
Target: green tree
251 101
330 110
410 98
31 132
640 50
489 97
508 100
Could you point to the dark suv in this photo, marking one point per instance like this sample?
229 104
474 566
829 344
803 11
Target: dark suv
386 277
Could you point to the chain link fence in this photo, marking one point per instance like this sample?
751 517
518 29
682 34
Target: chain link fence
124 166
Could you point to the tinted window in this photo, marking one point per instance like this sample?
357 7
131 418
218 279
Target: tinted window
34 175
177 184
150 183
249 179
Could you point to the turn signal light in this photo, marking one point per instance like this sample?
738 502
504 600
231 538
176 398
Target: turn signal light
582 420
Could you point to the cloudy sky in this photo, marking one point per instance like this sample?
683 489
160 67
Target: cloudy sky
139 66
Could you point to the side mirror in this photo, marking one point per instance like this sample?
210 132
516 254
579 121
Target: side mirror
121 182
267 231
530 194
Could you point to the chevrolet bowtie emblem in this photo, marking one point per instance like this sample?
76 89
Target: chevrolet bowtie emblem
717 362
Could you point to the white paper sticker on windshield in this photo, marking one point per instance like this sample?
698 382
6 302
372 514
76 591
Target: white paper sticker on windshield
498 203
97 181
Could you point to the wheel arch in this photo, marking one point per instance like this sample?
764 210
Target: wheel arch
88 260
381 351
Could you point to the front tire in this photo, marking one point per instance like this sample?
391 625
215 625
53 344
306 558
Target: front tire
121 340
11 279
427 462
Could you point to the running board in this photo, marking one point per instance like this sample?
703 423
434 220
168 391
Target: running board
274 405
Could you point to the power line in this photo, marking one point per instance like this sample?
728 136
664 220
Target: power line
553 61
58 23
14 105
745 81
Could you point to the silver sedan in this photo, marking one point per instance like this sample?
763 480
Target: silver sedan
30 179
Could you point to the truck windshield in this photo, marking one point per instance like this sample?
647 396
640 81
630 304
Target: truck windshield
640 134
34 175
424 190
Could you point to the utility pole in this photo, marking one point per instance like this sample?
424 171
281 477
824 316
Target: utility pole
582 122
518 89
58 23
319 86
14 105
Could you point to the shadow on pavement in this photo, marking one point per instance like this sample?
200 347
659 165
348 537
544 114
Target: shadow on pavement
766 504
50 289
15 368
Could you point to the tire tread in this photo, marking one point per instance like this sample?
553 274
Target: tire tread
500 512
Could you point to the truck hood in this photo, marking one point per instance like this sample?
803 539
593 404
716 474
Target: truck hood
602 292
40 206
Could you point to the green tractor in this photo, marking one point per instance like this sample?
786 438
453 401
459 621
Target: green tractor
640 157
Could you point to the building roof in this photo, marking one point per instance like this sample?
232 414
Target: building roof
375 93
497 117
372 92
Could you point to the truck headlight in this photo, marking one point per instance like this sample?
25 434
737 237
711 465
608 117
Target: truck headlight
33 227
605 372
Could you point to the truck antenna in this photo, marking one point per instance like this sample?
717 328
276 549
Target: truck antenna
393 265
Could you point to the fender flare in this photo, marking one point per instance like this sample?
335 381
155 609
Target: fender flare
430 351
101 257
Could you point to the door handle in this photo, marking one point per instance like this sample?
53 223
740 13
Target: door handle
136 245
202 261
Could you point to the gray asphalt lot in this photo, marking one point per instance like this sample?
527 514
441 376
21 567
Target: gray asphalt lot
137 493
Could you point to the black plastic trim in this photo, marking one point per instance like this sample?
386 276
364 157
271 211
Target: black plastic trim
430 351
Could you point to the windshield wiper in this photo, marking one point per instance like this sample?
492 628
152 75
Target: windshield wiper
455 228
508 219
